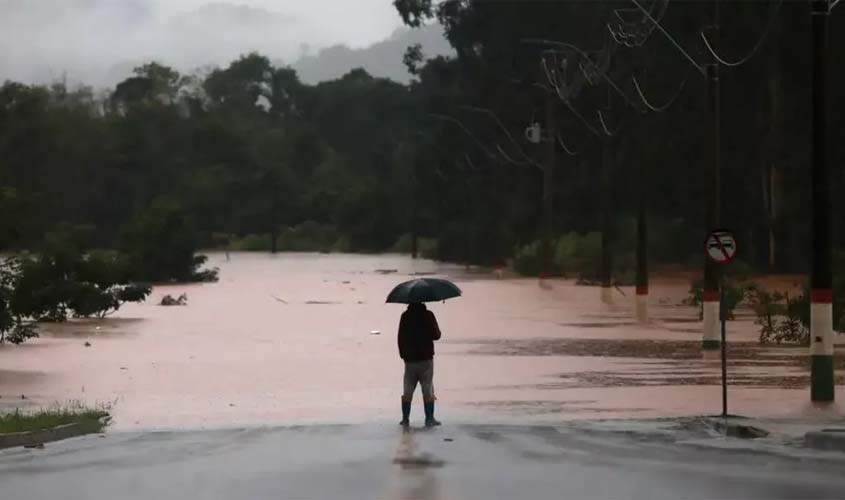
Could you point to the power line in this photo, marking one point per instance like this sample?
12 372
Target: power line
756 47
565 148
659 109
457 122
605 127
670 38
510 137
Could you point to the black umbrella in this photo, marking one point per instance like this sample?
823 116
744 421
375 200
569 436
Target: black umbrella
423 290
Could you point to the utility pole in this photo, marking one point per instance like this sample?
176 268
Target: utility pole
607 167
606 223
642 248
642 238
821 309
549 178
713 162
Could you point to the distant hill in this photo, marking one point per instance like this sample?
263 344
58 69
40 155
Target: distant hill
382 59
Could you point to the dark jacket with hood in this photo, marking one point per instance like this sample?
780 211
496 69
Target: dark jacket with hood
418 330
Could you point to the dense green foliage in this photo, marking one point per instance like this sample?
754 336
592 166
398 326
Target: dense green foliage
65 279
163 162
661 157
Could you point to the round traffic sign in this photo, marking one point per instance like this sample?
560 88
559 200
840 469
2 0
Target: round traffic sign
721 246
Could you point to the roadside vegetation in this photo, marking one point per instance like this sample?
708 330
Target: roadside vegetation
783 317
89 420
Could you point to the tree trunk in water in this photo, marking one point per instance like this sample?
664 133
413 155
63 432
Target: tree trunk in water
274 241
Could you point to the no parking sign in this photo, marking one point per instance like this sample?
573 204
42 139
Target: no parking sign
721 246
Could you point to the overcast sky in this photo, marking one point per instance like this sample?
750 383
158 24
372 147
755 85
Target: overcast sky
98 41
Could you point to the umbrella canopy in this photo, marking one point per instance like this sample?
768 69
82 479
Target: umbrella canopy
423 290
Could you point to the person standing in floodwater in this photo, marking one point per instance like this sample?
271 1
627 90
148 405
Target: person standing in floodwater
418 330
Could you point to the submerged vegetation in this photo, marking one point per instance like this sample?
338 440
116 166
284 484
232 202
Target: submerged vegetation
64 280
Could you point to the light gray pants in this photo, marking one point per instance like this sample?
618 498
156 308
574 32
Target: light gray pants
422 372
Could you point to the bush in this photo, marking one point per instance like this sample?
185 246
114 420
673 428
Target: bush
161 242
13 328
785 318
574 254
528 259
426 247
62 281
89 300
308 237
252 243
342 245
781 318
20 333
735 293
585 262
45 291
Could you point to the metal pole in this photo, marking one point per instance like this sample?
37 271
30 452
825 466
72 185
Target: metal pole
821 310
549 181
713 148
723 313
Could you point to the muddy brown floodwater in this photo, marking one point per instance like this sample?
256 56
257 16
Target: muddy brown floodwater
289 339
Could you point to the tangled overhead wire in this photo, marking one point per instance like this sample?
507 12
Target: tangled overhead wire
647 15
527 160
635 32
493 154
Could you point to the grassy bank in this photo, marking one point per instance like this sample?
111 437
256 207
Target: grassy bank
89 420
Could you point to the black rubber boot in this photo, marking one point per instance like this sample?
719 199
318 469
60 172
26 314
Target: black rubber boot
429 415
406 414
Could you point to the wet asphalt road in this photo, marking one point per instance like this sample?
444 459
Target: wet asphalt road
380 461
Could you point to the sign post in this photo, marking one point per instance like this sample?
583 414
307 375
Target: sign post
721 249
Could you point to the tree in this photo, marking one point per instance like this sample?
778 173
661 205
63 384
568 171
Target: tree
161 242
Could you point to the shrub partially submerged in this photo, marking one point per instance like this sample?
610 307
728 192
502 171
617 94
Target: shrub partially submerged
574 254
53 288
13 328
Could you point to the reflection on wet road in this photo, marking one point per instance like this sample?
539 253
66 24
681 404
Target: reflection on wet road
581 461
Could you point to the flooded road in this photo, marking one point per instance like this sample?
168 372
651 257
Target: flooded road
289 339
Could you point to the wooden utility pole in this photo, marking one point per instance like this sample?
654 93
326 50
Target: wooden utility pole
642 247
549 178
642 234
607 229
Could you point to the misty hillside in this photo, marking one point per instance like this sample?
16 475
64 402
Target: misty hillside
382 59
99 42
